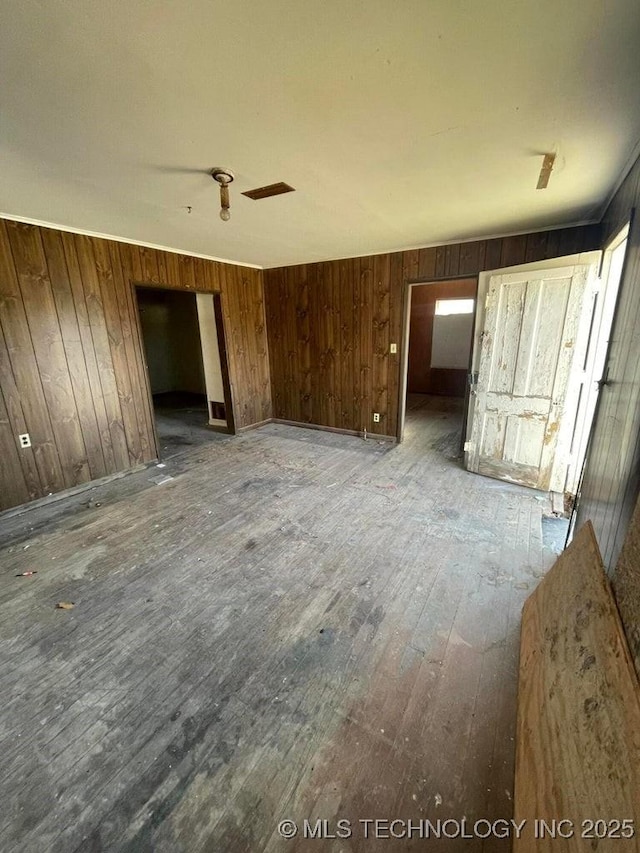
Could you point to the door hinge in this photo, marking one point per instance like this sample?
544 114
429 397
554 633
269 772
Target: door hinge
604 380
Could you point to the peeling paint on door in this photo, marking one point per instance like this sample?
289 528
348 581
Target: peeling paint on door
526 356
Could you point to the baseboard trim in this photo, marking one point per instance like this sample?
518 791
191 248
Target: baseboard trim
374 436
73 490
91 484
254 426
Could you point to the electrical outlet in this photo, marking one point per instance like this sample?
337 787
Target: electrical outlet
25 440
393 348
376 417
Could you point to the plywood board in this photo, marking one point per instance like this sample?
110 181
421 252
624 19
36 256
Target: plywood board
626 584
578 730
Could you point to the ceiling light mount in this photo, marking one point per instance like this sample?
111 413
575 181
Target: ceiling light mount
223 177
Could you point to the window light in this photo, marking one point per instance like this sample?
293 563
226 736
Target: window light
454 306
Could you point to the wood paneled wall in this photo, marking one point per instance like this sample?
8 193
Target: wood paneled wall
330 324
71 363
612 474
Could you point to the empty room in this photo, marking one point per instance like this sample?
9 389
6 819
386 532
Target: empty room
319 426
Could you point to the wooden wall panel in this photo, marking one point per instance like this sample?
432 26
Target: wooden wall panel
72 370
612 474
330 324
126 308
15 490
126 424
49 351
74 351
79 297
22 384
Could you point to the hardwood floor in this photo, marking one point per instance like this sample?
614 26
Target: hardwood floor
298 625
182 422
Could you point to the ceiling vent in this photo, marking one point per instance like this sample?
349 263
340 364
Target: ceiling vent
267 192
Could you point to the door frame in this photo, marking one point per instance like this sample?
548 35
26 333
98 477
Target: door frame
404 344
623 233
598 346
222 349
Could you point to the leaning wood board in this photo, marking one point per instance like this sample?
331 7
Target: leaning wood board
626 584
578 730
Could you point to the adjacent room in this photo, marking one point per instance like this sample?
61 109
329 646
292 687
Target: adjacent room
182 356
319 426
441 318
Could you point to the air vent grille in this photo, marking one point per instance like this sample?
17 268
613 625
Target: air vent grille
268 191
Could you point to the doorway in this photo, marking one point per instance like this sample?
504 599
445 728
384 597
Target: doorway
596 365
180 333
593 374
440 333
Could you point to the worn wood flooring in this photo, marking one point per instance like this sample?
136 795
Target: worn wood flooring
182 423
298 625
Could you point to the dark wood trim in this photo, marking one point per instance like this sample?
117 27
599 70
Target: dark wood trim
371 436
417 281
404 360
224 363
254 426
143 356
74 490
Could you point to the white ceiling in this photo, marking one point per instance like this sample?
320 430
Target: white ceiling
400 123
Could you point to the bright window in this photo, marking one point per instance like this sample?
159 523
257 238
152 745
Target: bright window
445 307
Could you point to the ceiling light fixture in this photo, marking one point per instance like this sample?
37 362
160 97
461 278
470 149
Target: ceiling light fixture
224 178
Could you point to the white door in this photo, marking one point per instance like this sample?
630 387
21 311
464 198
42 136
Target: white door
528 343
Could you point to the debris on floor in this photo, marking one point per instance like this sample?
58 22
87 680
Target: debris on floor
161 480
27 574
65 605
554 533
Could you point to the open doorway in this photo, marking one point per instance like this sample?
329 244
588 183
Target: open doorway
180 332
440 334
